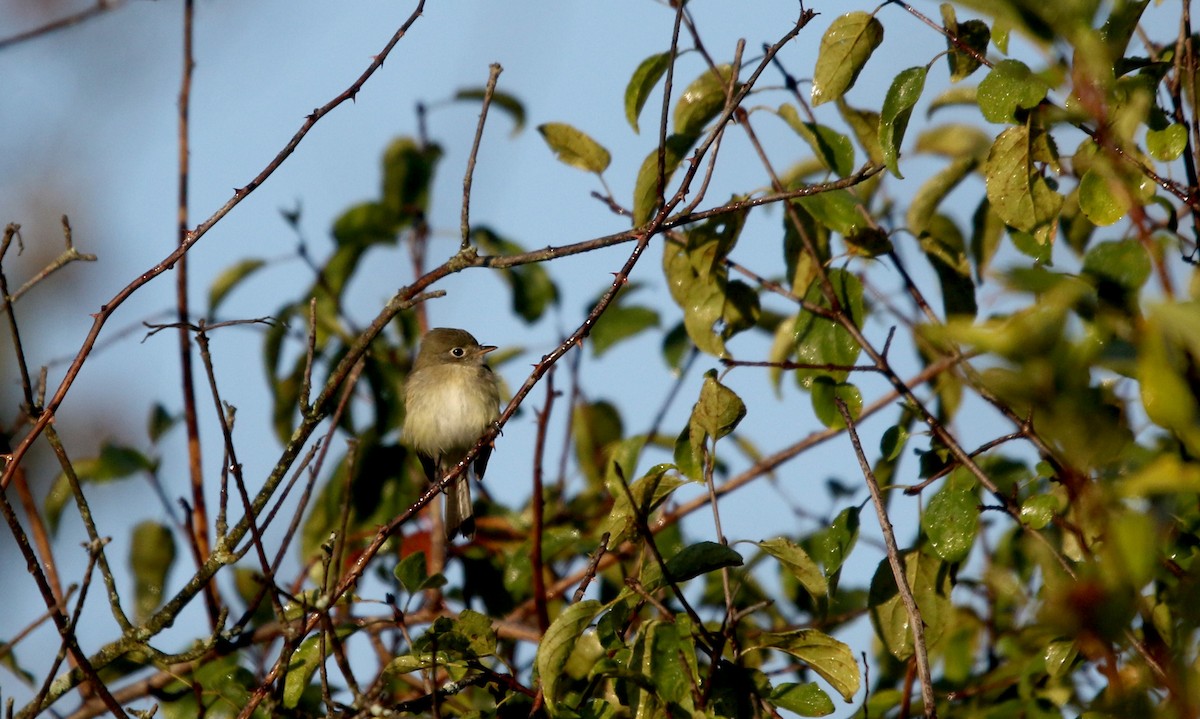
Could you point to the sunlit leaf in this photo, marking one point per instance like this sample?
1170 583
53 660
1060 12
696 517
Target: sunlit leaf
701 101
898 105
646 189
951 521
557 644
574 147
796 561
644 78
1016 188
832 147
845 48
826 393
830 659
1008 87
1166 144
807 700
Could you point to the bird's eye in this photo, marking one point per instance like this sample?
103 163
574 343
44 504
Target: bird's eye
458 352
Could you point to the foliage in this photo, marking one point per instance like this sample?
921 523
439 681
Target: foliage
1053 567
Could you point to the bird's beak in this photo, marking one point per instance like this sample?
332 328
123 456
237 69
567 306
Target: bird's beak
484 349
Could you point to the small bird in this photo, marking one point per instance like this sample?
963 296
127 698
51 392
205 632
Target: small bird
450 399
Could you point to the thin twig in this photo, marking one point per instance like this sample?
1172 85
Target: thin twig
915 622
488 92
101 7
539 501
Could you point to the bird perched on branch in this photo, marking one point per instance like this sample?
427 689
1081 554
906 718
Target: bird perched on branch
450 400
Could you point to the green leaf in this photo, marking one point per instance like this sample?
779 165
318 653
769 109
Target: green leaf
1038 510
1166 144
412 572
1015 186
954 97
151 555
644 78
503 100
645 191
931 193
676 345
649 492
1123 262
362 225
893 441
56 500
556 647
1059 656
701 101
620 322
796 560
833 545
946 250
807 700
830 659
701 558
825 394
408 169
839 210
1010 86
574 147
160 422
218 689
719 409
951 521
230 278
832 147
822 341
305 661
974 34
1103 203
987 229
596 427
845 48
865 126
956 141
702 310
1167 474
898 105
929 584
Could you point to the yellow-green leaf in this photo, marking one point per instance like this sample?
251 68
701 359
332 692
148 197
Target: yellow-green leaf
898 105
575 148
1015 186
701 101
644 78
830 659
845 48
556 646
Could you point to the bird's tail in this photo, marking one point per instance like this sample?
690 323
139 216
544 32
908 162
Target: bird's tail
460 516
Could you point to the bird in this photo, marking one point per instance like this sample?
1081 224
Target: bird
450 399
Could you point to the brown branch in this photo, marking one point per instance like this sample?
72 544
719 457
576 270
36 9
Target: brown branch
101 7
539 502
198 522
915 622
488 92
